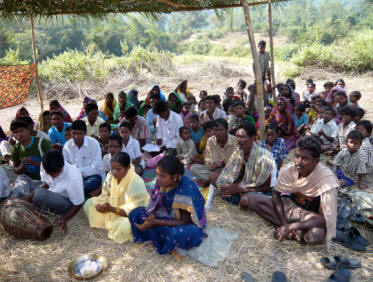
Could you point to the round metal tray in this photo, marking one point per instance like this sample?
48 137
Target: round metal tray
76 265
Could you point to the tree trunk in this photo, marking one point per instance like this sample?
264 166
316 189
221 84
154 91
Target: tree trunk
36 64
271 49
257 70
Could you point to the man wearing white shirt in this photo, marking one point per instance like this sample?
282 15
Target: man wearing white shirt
212 112
168 124
62 189
85 153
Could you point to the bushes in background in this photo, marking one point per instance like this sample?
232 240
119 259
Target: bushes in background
353 54
79 66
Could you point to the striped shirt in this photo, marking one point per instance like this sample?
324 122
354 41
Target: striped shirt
351 164
140 131
343 131
367 149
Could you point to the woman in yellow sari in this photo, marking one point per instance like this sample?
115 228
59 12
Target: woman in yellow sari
109 106
122 192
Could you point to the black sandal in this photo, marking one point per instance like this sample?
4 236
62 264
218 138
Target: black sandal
347 239
340 275
340 262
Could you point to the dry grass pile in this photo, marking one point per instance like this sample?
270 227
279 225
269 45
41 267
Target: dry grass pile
255 251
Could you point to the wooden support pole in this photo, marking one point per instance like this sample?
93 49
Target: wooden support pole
270 31
257 70
36 64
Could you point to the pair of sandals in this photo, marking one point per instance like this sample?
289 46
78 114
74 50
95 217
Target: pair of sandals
348 236
351 238
340 264
277 276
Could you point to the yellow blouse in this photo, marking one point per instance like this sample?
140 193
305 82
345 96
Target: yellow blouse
128 194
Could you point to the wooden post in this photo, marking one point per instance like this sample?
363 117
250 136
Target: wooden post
271 49
36 64
257 70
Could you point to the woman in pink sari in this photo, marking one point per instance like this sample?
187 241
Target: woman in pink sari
286 123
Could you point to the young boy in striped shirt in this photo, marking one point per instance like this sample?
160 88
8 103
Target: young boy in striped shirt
348 164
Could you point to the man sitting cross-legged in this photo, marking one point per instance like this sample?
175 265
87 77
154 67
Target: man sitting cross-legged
309 213
62 189
248 169
218 150
85 153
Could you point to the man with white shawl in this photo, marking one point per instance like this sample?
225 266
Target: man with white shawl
304 203
248 170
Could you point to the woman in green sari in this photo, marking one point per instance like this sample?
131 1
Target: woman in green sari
175 102
123 105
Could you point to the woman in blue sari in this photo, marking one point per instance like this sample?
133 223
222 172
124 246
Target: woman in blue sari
175 216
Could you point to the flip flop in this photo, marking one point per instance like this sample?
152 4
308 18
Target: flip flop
340 275
346 239
246 277
357 236
340 262
279 276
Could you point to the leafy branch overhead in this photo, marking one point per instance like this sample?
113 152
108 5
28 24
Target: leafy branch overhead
25 8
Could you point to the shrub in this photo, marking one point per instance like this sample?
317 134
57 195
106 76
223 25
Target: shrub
75 66
355 55
218 50
95 66
200 46
286 52
12 58
154 61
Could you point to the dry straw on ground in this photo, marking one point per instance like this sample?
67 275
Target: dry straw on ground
255 251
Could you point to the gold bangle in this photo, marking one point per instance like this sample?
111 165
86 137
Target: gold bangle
118 211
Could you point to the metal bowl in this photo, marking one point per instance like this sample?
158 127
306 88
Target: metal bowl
77 264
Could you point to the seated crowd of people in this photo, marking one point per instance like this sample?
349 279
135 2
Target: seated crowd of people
97 160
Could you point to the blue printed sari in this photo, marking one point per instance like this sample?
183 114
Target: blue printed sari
166 206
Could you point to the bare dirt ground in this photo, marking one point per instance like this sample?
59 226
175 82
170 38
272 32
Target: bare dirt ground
255 251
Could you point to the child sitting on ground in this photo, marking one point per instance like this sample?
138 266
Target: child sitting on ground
196 131
185 114
341 100
346 126
115 146
202 95
239 115
132 147
186 149
307 97
145 109
300 118
193 104
359 114
68 133
229 98
354 97
241 85
208 129
326 128
365 128
349 165
315 105
202 106
274 143
104 134
327 87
